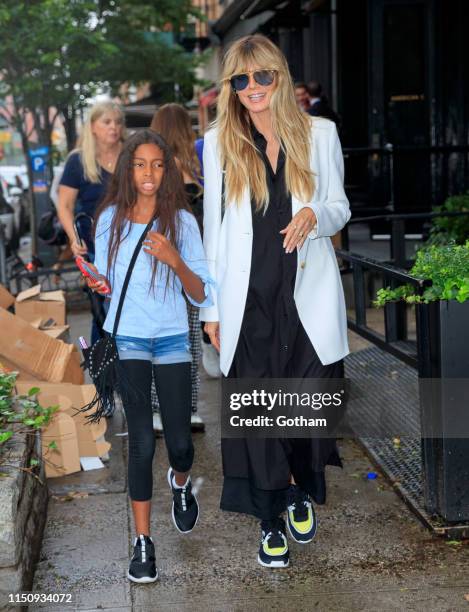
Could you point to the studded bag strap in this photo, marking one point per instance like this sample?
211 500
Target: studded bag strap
128 275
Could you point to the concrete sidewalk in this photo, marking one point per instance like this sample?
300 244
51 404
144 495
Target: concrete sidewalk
370 552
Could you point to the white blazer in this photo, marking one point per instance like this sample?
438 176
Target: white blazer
318 293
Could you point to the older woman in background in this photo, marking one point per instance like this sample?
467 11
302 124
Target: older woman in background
84 180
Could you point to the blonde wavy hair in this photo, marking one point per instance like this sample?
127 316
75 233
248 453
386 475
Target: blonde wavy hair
173 122
86 145
243 165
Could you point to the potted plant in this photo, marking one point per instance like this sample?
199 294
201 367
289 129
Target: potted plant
442 315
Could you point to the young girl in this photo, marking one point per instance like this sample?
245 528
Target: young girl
152 337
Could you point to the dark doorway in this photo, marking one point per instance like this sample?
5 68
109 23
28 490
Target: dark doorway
400 58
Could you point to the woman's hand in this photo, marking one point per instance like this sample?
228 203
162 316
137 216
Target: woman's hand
160 247
298 229
212 329
78 250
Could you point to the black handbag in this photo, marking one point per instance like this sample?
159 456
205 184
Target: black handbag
50 229
102 359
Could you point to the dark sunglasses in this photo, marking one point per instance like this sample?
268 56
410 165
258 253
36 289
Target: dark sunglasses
262 77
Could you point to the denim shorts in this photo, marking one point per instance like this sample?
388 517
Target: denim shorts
167 349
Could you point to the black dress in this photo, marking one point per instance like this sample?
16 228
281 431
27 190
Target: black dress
274 344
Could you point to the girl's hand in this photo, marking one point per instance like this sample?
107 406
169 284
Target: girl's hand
160 247
99 286
102 287
212 329
298 229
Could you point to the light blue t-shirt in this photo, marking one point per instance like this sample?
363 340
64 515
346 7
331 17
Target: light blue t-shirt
150 312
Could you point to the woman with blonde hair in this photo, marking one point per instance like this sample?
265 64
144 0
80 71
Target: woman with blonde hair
273 198
86 175
173 122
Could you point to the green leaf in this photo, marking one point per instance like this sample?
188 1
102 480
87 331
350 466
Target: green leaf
4 436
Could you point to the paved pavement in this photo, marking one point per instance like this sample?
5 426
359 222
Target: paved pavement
370 552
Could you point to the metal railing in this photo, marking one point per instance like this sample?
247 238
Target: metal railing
395 338
68 278
398 251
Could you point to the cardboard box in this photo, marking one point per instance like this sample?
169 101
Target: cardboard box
6 299
33 303
65 459
8 366
35 353
91 442
48 326
59 332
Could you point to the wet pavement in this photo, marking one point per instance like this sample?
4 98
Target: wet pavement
370 552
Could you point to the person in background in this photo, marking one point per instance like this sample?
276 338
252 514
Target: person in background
303 99
210 357
85 177
173 122
319 104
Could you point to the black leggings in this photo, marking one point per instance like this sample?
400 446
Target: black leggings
173 386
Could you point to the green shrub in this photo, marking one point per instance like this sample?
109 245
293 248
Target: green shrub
19 413
447 266
447 230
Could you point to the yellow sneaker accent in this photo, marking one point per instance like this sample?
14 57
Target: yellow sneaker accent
303 526
274 551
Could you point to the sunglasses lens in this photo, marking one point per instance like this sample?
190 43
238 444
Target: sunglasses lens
240 81
264 77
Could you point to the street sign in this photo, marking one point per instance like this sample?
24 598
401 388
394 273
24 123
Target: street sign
38 164
38 158
40 151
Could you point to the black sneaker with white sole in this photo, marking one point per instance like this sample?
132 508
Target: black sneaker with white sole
142 566
273 551
301 518
185 510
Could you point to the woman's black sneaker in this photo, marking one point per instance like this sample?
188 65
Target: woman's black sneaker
185 507
142 566
273 551
301 518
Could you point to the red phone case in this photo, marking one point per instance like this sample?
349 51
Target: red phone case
90 273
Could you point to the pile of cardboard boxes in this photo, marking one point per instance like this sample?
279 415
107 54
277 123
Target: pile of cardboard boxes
32 344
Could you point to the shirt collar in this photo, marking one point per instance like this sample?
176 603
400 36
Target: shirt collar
258 138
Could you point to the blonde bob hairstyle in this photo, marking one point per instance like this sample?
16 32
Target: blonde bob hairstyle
86 145
243 165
